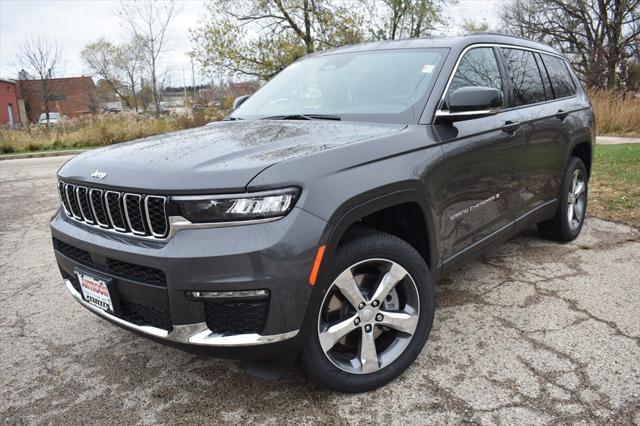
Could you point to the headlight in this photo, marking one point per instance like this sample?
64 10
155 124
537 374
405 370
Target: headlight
232 208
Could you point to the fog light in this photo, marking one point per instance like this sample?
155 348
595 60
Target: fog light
228 295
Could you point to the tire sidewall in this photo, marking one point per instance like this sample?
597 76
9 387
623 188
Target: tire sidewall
363 247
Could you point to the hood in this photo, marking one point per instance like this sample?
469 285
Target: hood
219 157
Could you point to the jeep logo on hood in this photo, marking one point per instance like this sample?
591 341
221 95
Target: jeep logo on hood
99 175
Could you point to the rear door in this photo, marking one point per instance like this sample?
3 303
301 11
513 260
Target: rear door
544 119
484 168
548 158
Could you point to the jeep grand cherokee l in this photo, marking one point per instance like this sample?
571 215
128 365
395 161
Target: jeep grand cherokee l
317 217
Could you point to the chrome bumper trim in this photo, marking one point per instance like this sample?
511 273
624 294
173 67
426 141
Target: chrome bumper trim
191 334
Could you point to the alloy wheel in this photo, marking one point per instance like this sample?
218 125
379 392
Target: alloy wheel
576 199
368 316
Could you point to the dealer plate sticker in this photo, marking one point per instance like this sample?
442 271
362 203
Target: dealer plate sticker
95 291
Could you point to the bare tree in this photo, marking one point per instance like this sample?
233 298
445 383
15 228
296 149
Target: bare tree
128 60
396 19
100 57
147 21
472 26
118 66
259 38
598 35
42 57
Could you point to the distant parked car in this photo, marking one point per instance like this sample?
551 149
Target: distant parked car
54 118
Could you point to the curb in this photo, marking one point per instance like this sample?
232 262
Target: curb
38 154
615 140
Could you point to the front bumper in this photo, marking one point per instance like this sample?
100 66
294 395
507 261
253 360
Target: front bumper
188 334
275 256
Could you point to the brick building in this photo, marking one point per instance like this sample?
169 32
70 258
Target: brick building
69 96
9 109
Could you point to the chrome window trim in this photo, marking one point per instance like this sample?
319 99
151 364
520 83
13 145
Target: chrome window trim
194 334
93 208
445 113
126 212
492 45
77 191
106 199
146 210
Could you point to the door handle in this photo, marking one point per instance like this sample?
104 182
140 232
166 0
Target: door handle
510 127
561 115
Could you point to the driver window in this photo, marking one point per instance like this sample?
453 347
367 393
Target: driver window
478 67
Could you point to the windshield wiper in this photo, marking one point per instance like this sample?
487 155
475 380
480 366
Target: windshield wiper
302 117
229 118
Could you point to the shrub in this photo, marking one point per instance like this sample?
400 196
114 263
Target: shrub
616 114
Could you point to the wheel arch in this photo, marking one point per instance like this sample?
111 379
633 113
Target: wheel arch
584 151
409 205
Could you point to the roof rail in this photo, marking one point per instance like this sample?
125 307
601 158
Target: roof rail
495 33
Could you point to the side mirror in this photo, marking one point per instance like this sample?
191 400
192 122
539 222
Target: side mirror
240 100
472 102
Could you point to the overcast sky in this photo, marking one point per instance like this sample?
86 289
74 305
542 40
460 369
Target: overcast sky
74 23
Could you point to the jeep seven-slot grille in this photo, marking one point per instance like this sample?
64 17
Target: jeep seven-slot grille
137 214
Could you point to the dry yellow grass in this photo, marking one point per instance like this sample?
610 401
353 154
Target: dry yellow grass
97 130
615 115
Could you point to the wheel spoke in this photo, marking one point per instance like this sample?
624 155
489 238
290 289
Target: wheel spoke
330 337
349 288
577 210
368 353
400 321
579 190
570 198
574 183
570 213
389 281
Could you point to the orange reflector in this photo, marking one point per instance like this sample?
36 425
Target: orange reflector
316 265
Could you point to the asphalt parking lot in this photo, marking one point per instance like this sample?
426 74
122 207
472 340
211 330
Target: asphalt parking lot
533 332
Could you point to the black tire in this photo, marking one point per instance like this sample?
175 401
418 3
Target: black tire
559 228
360 248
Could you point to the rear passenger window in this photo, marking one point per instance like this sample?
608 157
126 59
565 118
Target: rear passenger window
524 74
478 67
545 77
561 81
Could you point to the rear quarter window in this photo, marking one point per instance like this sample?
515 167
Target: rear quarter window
561 81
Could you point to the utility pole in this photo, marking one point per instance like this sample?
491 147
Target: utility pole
184 85
193 79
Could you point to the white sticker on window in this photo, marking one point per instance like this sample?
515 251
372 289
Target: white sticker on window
427 69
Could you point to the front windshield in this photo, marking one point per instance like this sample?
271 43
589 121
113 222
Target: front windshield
383 85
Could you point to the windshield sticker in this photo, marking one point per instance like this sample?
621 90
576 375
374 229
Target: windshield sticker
427 68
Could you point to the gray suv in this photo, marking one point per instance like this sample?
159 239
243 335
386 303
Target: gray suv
313 221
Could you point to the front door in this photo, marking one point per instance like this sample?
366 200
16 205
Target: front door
485 168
